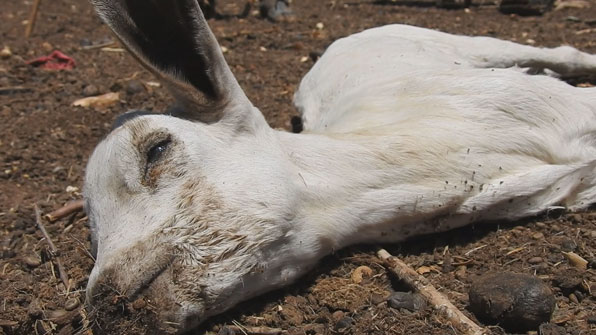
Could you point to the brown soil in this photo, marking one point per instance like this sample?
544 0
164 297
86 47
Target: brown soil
45 142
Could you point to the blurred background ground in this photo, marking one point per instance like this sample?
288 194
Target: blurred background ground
45 142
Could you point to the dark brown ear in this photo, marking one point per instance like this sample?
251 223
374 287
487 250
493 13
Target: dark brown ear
172 39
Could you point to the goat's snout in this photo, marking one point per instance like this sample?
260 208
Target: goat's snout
138 286
151 306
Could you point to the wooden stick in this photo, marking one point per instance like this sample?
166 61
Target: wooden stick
13 90
53 249
64 211
255 330
430 293
32 18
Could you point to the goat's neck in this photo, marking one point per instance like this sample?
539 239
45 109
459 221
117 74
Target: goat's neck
344 184
342 190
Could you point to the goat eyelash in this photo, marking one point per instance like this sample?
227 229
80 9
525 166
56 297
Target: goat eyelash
156 151
157 146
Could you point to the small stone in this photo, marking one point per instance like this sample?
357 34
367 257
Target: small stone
71 189
568 244
134 86
5 53
551 329
535 260
71 304
407 300
47 46
376 298
538 236
542 268
90 90
575 218
337 315
344 324
579 295
226 331
6 253
85 42
315 328
34 311
139 304
32 261
573 298
461 272
60 316
568 279
447 265
540 224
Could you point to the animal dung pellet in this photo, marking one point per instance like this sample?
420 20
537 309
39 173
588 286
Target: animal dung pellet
139 304
517 302
535 260
134 86
71 304
32 261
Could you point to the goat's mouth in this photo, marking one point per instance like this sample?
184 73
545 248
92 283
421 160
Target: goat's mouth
136 292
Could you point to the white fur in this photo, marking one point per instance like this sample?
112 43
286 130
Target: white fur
408 131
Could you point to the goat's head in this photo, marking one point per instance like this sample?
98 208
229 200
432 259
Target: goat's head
179 205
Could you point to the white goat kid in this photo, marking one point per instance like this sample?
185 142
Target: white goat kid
408 131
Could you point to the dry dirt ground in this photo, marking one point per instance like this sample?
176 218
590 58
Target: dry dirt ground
45 142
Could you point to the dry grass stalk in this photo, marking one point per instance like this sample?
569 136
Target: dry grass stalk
53 249
255 330
32 18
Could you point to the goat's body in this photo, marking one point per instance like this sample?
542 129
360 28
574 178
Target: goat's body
447 136
408 131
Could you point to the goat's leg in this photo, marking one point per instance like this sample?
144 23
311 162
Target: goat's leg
276 10
565 61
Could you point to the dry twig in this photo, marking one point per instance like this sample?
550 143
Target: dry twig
32 18
14 90
430 293
66 210
53 249
255 330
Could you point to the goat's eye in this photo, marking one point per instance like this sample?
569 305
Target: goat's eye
154 154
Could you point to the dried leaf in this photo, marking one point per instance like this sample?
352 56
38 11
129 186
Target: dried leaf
576 260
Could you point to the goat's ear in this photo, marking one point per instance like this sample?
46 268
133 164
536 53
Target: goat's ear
172 39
